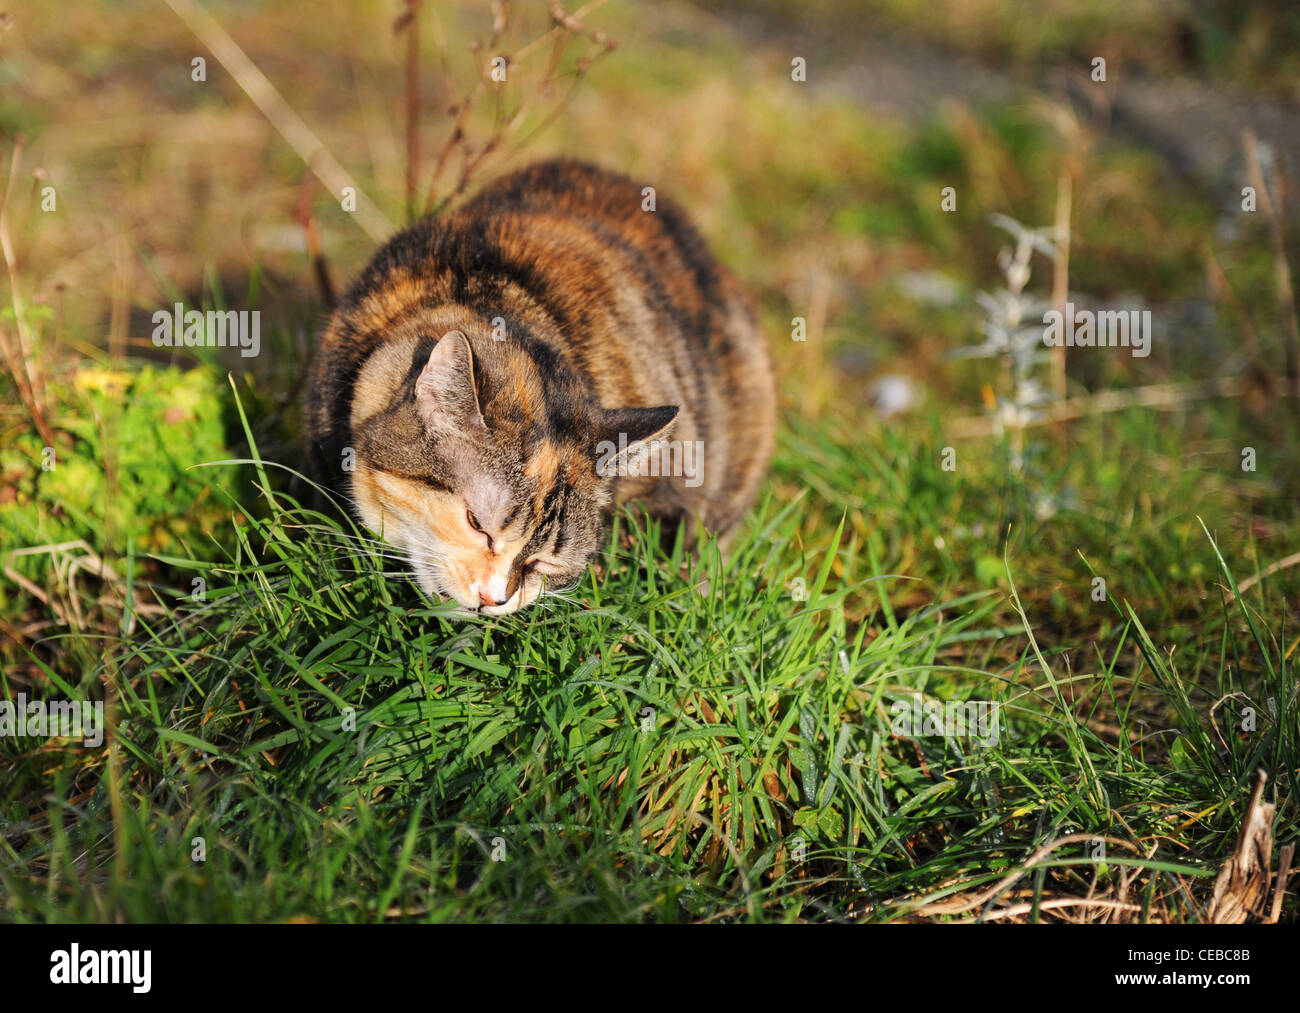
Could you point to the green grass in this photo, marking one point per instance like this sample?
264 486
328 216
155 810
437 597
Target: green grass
645 751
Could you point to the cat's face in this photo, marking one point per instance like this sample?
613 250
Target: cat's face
482 470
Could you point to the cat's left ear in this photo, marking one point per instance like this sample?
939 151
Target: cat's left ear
622 434
445 393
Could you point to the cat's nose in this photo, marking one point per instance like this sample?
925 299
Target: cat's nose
487 599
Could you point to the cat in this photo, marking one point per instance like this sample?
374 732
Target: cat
498 378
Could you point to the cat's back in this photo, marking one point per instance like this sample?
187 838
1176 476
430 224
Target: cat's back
608 273
649 314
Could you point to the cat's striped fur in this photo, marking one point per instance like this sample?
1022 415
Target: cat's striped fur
480 361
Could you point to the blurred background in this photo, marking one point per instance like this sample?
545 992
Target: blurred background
823 194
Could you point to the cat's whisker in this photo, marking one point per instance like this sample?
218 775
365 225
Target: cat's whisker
361 542
429 547
347 536
374 573
371 547
377 557
384 557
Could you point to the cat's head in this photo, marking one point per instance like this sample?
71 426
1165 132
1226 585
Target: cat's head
481 466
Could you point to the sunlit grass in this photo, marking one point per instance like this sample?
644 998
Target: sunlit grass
640 748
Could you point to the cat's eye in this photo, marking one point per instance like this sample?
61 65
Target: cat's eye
473 521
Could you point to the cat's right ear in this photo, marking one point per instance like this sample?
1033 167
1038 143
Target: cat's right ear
623 436
446 395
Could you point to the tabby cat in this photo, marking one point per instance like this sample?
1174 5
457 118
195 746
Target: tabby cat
498 378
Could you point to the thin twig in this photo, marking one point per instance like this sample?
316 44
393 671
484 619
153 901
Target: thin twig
1281 269
1224 291
409 22
1159 395
30 386
981 898
1283 874
1061 274
320 266
1268 571
1051 903
565 27
273 106
456 136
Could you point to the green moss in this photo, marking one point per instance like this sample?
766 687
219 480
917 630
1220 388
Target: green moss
139 496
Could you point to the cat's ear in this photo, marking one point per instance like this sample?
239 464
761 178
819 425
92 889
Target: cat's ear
623 434
635 425
445 392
